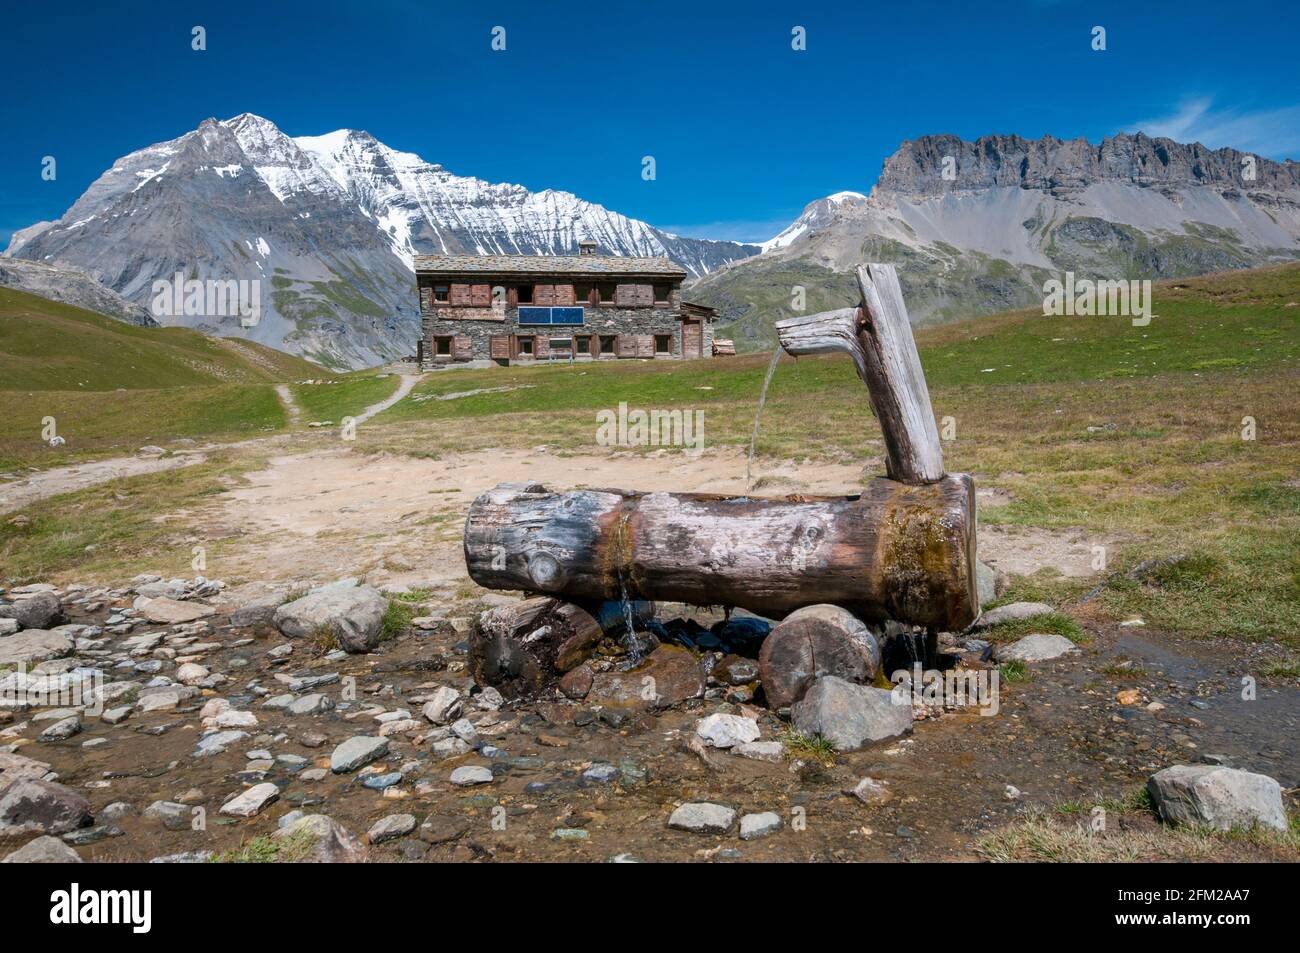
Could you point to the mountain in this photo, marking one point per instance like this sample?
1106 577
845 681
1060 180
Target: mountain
1011 214
71 286
326 224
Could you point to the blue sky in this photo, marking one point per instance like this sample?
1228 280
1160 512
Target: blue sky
744 130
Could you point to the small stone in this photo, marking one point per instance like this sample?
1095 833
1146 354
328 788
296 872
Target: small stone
726 731
601 773
754 826
703 818
772 751
1038 647
356 752
314 704
166 611
391 827
443 706
61 730
871 791
115 716
253 801
471 774
43 850
1130 696
171 814
1218 797
1014 612
332 843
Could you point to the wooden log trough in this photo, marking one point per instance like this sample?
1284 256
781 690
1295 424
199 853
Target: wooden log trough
902 549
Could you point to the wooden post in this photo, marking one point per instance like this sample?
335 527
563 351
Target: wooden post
878 336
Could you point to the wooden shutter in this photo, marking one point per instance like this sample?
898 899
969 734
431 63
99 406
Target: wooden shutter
692 339
625 345
460 295
544 295
564 296
462 348
426 299
634 296
499 347
645 345
480 296
541 346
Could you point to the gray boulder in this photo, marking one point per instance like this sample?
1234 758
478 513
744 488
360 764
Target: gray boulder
1038 647
849 715
1012 612
357 752
391 827
326 841
33 806
354 614
34 645
36 611
702 818
1218 797
44 850
258 611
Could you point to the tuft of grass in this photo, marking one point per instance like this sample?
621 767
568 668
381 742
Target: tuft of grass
323 640
1056 622
1283 669
1124 670
1015 671
265 850
397 619
811 747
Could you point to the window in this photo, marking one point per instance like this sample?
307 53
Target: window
525 294
582 293
562 344
605 293
442 294
663 294
525 347
442 347
663 344
607 343
582 345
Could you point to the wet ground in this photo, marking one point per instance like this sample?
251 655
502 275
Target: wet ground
1060 736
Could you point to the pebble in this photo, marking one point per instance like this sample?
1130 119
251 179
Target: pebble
754 826
469 775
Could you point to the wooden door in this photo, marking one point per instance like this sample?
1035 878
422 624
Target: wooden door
692 339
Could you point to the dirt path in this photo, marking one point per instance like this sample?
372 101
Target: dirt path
47 483
290 405
404 388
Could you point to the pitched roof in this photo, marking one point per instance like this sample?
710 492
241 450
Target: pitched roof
545 265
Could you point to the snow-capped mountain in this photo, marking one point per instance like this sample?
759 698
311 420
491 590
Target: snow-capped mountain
977 227
327 223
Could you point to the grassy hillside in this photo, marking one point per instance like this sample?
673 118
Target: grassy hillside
112 387
48 346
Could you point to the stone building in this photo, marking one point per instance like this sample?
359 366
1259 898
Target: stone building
512 309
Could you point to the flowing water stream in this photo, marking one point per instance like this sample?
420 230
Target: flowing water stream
758 416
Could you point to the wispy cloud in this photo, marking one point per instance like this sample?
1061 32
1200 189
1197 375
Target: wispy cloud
1274 133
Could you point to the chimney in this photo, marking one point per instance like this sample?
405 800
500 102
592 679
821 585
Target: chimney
586 247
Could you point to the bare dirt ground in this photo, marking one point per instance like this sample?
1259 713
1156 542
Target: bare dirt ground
16 494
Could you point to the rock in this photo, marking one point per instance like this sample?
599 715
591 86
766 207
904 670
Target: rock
13 766
1218 797
736 670
772 751
33 806
391 827
171 814
164 700
443 829
849 715
726 731
232 719
601 773
668 676
1012 612
576 682
36 611
702 818
353 613
252 802
330 842
191 673
164 611
32 646
356 752
314 704
217 742
259 611
61 730
871 791
469 775
754 826
1038 647
8 626
43 850
1129 696
444 705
